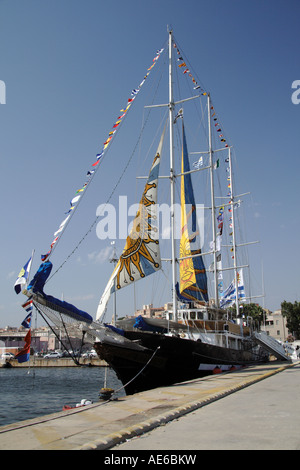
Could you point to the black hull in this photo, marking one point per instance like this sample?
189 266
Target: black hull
165 360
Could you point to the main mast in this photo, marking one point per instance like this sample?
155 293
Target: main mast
172 178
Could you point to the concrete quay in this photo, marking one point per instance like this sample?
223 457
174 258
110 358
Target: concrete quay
60 362
106 425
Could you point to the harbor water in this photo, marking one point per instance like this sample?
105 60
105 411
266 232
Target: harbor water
29 393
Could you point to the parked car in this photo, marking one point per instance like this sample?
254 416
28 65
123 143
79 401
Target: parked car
53 355
90 354
38 354
7 355
65 354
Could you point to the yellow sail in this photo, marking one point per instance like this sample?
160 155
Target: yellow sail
193 281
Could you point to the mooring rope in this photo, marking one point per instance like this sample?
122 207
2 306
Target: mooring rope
116 391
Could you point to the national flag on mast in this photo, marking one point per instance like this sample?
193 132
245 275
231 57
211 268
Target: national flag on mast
229 296
24 354
23 276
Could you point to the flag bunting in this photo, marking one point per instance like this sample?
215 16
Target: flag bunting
182 65
28 306
217 126
91 172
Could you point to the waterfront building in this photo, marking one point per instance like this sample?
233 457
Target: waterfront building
42 340
275 325
151 312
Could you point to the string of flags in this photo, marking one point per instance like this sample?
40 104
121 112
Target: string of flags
182 65
220 220
229 194
90 173
28 306
217 126
220 217
231 205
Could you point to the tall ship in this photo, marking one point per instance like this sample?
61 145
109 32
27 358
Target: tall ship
203 329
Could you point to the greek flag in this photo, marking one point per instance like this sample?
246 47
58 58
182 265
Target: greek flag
229 295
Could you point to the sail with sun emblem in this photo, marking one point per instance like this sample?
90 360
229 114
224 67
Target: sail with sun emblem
193 281
141 255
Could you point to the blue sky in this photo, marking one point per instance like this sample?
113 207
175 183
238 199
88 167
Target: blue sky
69 66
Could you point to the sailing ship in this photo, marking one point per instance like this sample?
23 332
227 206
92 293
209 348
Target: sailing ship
198 334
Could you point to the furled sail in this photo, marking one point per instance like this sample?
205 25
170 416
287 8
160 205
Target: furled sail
193 281
141 255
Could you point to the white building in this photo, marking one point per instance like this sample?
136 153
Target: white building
275 325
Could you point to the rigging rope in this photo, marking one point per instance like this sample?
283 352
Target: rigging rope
59 339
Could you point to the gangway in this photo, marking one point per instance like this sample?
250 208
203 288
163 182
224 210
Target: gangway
272 345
